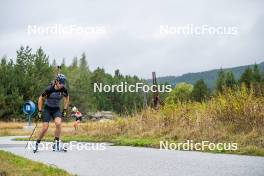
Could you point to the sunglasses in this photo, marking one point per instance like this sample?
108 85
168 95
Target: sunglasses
61 83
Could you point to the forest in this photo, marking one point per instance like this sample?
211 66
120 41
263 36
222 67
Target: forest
26 76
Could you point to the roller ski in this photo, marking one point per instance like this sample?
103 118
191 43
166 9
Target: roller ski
58 147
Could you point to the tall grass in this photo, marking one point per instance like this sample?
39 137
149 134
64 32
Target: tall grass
234 116
11 125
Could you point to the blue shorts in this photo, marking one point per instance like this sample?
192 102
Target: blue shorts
50 112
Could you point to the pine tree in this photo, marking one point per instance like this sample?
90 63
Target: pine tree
75 62
63 63
83 62
220 83
230 80
256 74
256 80
200 91
54 63
247 77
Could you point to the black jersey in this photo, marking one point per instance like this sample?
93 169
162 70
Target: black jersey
54 96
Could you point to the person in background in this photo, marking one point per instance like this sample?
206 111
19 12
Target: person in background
78 117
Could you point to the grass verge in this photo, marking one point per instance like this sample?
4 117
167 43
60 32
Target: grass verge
18 166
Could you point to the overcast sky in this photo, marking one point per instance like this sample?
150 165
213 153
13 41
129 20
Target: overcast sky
131 40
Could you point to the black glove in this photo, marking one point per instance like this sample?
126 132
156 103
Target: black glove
64 113
39 115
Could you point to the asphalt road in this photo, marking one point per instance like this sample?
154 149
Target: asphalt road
104 159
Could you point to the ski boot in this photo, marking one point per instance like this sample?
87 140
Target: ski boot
35 148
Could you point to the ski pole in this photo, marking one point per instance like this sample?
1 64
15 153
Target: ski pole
32 134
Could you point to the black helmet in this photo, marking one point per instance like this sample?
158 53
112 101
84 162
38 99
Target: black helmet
61 79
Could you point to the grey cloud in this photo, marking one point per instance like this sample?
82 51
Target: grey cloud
132 43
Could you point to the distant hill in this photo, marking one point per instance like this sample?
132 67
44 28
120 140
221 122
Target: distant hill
208 76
